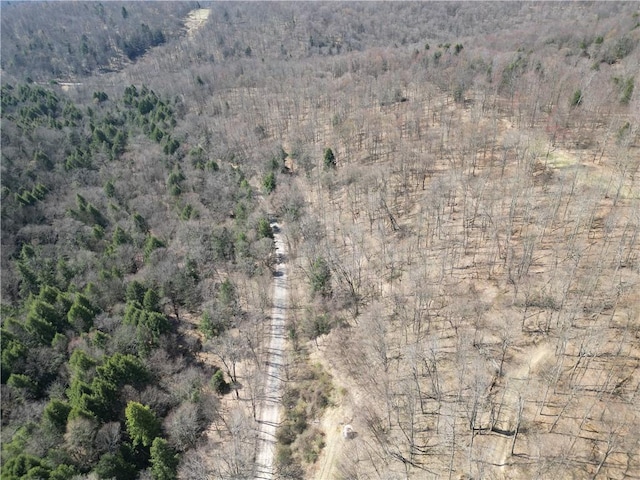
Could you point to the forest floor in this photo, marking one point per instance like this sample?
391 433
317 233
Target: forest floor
514 387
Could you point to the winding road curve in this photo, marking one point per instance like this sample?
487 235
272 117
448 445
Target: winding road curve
269 412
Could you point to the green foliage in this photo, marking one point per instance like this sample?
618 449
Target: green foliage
264 228
139 42
227 295
191 270
22 466
223 245
164 461
226 309
188 212
625 86
79 395
211 326
102 401
269 182
135 292
88 213
98 232
576 98
13 351
81 314
41 329
19 441
512 72
320 277
79 158
110 189
100 97
30 282
150 245
119 143
142 425
23 383
151 301
48 273
130 95
174 182
212 166
81 363
171 146
71 114
275 164
624 130
60 342
42 160
119 236
316 325
151 325
55 415
33 196
44 310
49 332
329 159
146 104
114 465
120 370
241 212
219 384
27 252
140 223
64 472
306 395
311 443
156 134
627 91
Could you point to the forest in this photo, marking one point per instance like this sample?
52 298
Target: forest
458 187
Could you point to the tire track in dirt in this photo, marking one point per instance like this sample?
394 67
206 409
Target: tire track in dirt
334 443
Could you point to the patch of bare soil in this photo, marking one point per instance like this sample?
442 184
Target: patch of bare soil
196 19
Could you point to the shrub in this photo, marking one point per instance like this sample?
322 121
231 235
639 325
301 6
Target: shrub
219 384
264 228
269 182
576 98
329 159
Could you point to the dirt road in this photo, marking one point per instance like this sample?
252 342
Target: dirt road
269 412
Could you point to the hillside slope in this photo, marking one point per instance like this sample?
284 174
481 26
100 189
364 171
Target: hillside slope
460 187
